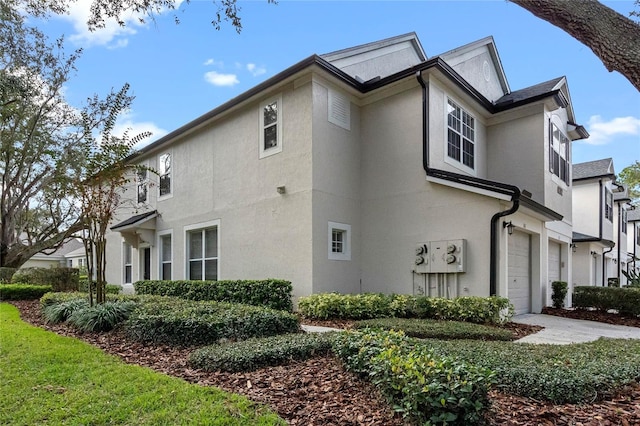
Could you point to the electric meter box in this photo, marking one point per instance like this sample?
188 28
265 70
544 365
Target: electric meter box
440 257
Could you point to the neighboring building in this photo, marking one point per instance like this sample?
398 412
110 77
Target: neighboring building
66 255
370 169
620 228
633 240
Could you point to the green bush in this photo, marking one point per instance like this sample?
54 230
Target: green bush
61 279
101 317
424 387
559 292
271 293
436 329
54 298
175 321
60 312
20 291
83 286
493 310
633 278
6 274
252 354
625 300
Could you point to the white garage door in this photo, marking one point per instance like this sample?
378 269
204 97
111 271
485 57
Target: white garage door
519 272
554 262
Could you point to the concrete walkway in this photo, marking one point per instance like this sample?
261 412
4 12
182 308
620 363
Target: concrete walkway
317 329
564 331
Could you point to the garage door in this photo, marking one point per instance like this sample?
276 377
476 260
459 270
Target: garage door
519 272
554 262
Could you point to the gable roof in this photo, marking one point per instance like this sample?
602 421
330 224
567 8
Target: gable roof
593 169
528 93
135 220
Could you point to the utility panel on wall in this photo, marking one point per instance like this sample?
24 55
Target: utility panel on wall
437 257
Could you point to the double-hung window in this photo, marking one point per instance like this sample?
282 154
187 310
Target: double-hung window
624 221
165 167
461 135
165 257
202 247
142 184
271 127
559 163
608 204
127 263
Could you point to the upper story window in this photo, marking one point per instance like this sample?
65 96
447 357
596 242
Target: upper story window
624 221
271 127
559 163
164 171
608 204
142 184
461 135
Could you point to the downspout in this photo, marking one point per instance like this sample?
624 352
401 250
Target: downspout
619 245
604 259
601 205
513 190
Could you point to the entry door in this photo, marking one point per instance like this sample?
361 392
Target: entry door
145 263
519 272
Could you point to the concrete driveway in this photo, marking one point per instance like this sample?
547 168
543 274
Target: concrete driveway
564 331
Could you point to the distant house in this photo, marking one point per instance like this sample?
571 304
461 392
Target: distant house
70 254
633 240
369 169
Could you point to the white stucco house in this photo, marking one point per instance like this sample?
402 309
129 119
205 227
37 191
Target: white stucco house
633 239
70 254
370 169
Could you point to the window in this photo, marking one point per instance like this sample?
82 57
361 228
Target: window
164 171
142 184
202 248
608 204
126 261
271 127
339 241
165 257
624 221
461 135
559 163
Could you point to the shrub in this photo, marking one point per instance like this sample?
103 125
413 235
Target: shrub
60 312
426 388
83 286
52 298
101 317
61 279
495 310
633 278
559 292
436 329
625 300
251 354
6 274
170 320
274 294
23 291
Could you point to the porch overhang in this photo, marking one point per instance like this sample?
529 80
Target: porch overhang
142 226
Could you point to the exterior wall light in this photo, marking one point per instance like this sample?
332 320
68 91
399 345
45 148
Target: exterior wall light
509 227
281 189
573 247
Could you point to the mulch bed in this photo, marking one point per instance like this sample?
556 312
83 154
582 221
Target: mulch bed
319 392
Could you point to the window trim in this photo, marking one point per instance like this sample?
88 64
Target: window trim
267 152
346 230
171 175
562 141
161 262
459 164
195 227
623 227
125 265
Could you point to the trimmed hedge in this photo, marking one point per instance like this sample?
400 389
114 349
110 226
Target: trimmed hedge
625 300
424 387
175 321
274 294
83 285
252 354
437 329
61 279
6 274
20 291
493 310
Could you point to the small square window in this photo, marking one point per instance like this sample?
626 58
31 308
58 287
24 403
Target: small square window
339 237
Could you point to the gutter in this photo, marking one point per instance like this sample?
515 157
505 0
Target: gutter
499 187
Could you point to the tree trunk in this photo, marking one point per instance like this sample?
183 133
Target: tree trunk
614 38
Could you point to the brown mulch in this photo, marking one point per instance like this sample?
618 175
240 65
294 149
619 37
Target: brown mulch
320 392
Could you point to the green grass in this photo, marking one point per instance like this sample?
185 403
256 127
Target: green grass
56 380
437 329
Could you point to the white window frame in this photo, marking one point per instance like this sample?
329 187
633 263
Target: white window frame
608 204
624 220
266 152
345 230
559 148
161 173
161 262
142 183
470 137
196 227
126 246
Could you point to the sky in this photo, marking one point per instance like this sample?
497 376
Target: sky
178 72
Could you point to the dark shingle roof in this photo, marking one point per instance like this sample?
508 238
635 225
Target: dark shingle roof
529 92
633 215
622 196
592 169
584 238
134 219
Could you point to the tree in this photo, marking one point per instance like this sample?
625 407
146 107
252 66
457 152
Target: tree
102 182
614 38
630 177
41 138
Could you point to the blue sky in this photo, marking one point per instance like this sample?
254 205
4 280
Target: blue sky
178 72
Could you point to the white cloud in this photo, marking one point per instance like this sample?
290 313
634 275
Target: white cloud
255 70
218 79
126 123
209 62
602 132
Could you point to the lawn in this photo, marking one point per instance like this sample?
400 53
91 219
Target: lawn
50 379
